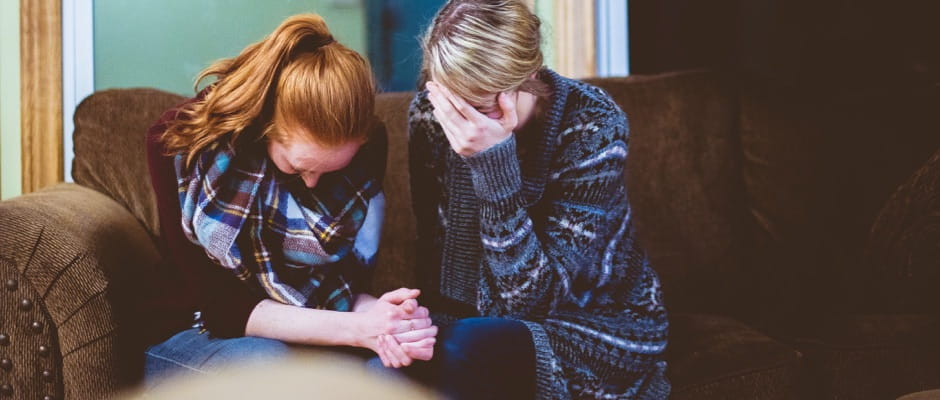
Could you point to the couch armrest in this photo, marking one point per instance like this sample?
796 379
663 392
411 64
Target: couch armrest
67 256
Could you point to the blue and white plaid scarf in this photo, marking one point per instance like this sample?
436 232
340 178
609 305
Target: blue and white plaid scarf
275 234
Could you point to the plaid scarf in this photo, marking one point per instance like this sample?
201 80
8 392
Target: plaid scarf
275 234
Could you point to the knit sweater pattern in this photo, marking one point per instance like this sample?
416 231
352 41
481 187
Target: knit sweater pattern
542 233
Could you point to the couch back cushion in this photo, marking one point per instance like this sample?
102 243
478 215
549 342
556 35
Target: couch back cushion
684 182
396 259
110 154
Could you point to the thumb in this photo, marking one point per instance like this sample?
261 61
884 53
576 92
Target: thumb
397 296
507 104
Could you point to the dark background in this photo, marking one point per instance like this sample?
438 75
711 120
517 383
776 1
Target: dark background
842 42
858 82
858 40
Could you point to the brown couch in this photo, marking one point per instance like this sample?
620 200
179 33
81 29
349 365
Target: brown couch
757 205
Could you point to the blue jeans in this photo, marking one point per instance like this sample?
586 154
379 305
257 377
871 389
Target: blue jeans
474 358
191 352
481 358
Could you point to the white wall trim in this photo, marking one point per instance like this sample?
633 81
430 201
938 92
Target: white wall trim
78 67
613 38
11 184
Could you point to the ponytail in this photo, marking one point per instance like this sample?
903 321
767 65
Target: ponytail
298 76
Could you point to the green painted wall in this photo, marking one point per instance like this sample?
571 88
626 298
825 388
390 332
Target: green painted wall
10 181
165 44
545 10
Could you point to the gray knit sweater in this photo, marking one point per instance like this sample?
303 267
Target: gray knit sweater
542 233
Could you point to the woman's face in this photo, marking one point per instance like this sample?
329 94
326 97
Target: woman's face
307 159
524 104
489 106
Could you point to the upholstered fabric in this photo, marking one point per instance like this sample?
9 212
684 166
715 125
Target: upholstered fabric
868 356
904 244
716 357
76 256
396 259
110 155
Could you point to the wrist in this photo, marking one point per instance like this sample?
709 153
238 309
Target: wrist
356 335
363 302
495 171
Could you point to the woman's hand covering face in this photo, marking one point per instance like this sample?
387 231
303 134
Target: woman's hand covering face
467 129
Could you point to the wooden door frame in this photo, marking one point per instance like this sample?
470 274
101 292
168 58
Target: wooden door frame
41 93
574 37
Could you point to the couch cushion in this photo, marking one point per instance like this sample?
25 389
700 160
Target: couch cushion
684 182
720 358
396 257
110 155
868 356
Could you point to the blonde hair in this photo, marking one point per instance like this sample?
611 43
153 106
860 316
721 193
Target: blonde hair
479 47
297 77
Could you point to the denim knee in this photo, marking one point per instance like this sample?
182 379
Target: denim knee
483 340
195 351
248 348
484 357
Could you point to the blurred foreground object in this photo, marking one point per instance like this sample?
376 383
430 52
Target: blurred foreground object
318 375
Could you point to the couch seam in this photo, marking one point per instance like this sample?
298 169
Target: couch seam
728 377
86 344
60 274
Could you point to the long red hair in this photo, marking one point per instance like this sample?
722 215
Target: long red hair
297 77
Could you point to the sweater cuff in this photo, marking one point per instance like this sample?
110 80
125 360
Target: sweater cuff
495 171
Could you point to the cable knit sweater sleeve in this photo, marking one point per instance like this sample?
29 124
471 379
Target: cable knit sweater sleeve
425 198
536 259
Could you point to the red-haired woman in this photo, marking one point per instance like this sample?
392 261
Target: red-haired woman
268 191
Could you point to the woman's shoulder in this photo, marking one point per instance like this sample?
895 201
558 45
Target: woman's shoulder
171 115
584 122
420 108
421 119
589 117
585 98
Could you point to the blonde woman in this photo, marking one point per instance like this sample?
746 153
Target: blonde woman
518 186
268 191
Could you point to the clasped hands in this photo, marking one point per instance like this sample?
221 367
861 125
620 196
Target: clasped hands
397 329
